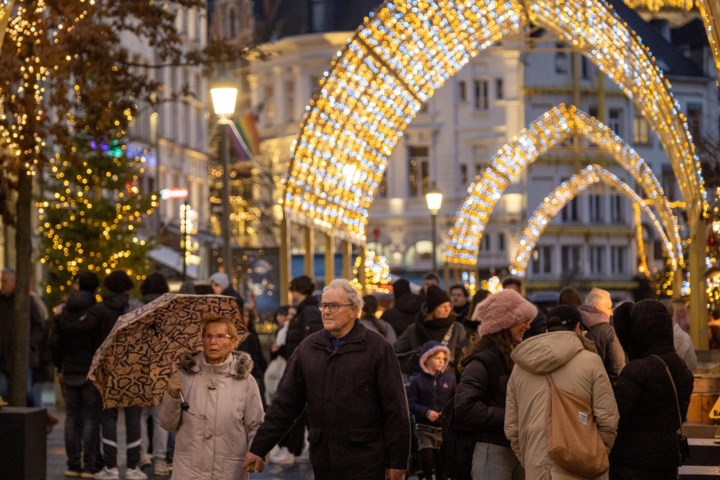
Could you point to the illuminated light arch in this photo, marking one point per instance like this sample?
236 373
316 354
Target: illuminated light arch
564 193
403 53
513 158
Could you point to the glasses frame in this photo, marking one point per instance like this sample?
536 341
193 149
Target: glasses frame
333 307
209 337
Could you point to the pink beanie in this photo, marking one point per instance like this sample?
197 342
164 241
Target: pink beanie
503 310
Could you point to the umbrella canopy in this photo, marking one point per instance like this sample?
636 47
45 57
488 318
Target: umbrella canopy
134 363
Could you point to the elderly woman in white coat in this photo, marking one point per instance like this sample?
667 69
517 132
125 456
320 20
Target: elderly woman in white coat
214 404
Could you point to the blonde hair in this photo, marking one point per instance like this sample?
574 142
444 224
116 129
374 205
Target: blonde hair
231 328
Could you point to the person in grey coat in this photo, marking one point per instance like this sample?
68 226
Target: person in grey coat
596 315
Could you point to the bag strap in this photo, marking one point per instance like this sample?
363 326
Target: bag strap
672 382
448 335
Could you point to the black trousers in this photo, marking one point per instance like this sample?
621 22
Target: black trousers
132 435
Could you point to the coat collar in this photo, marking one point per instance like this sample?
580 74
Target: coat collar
354 339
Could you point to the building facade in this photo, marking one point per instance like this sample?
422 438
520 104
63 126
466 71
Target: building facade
455 135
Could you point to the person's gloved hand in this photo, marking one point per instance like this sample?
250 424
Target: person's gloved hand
174 386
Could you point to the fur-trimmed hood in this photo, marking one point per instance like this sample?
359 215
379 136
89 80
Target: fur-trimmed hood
238 364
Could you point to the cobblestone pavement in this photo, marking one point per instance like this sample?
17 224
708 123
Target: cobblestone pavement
56 459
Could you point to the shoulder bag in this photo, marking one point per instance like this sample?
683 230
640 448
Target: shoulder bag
573 440
681 441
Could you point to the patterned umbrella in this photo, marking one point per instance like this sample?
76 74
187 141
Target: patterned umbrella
134 363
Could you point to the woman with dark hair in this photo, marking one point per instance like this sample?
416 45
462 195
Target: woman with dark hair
486 367
371 322
154 286
569 296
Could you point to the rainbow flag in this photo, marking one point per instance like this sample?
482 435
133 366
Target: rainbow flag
247 129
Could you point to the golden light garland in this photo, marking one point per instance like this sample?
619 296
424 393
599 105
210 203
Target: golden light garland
22 141
656 5
619 53
377 273
393 64
564 193
513 158
404 52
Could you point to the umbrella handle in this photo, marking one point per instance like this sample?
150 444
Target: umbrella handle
184 406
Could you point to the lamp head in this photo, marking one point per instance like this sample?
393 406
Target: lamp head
224 97
434 198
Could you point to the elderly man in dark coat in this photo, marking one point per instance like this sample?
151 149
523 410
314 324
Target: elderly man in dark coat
349 380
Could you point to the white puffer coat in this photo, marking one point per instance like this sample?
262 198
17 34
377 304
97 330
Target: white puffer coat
224 412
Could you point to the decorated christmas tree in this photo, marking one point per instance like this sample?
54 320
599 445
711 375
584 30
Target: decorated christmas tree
90 211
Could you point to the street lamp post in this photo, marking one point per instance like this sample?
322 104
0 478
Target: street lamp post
224 96
175 194
434 198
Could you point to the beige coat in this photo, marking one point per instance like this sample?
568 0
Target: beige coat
224 412
574 369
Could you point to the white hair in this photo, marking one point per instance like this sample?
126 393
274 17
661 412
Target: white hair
353 295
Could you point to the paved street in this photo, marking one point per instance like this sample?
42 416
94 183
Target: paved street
56 459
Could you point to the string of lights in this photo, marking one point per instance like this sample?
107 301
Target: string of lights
404 52
374 88
513 158
564 193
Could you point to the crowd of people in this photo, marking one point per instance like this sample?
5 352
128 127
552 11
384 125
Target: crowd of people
439 384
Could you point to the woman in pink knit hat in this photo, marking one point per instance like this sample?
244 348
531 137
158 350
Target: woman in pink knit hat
486 367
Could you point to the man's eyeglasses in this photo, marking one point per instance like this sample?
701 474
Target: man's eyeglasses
334 307
209 337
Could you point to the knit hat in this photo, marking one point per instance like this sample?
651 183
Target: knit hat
430 348
220 279
502 310
401 287
600 299
434 297
87 281
118 282
563 317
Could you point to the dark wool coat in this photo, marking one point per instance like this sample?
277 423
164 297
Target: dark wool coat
645 397
403 312
356 406
37 330
430 392
480 397
408 344
72 353
307 320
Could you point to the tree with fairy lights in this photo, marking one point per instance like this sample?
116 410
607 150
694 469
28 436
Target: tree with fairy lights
90 212
64 69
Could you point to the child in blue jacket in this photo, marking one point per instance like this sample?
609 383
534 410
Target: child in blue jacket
428 392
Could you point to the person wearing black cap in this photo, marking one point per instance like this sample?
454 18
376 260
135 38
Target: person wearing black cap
405 307
575 367
101 318
72 354
434 322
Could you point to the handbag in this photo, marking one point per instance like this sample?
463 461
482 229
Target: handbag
681 441
574 442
